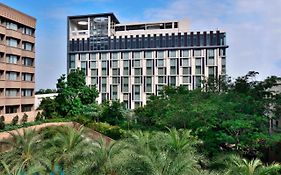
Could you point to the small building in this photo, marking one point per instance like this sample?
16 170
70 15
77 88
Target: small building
40 97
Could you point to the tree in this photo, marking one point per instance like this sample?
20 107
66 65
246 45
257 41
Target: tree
74 93
2 122
48 105
24 118
113 112
15 120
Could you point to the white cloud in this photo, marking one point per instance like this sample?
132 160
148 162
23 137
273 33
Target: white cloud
253 29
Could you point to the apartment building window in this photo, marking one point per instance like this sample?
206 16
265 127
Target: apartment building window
103 56
115 72
94 72
149 63
211 71
160 62
197 82
83 57
186 79
11 26
198 61
26 108
114 56
125 71
172 81
72 61
26 92
197 53
93 64
93 56
185 62
125 55
172 53
173 70
223 61
11 76
197 69
26 77
173 62
222 52
11 109
103 86
186 71
94 80
148 85
11 92
126 63
114 64
138 71
125 84
137 80
115 80
185 53
27 31
27 61
114 92
161 71
161 79
12 59
160 54
12 42
210 57
136 55
136 63
149 71
223 69
148 54
84 67
27 46
137 92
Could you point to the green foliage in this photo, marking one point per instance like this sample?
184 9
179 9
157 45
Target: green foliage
38 116
48 105
114 132
232 118
15 120
2 122
46 91
113 112
24 118
74 94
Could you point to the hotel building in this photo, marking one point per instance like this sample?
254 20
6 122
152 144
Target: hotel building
17 55
129 62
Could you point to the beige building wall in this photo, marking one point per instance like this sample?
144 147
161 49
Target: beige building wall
17 63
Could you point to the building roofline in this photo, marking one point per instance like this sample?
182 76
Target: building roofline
95 15
4 5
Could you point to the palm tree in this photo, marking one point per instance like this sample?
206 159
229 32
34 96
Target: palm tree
240 166
65 148
18 170
24 152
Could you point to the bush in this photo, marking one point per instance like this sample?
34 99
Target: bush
24 118
38 116
2 122
114 132
15 120
82 120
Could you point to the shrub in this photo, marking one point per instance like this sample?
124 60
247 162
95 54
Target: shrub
114 132
38 116
82 120
15 120
2 122
24 118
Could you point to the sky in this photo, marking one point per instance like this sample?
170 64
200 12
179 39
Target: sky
253 29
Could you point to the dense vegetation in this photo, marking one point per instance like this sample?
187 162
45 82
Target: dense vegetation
211 124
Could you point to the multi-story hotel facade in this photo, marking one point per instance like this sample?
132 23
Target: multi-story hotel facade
129 62
17 60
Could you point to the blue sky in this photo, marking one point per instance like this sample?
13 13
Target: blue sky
253 29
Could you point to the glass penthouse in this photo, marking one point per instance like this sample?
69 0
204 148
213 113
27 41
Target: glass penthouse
130 62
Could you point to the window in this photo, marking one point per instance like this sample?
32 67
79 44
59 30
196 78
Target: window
125 63
27 46
83 57
185 53
11 26
94 56
137 63
126 71
148 54
185 62
114 64
211 71
94 72
104 56
186 79
26 77
161 79
13 59
11 76
173 62
26 92
186 71
160 63
198 70
160 54
93 64
104 64
210 53
148 86
137 80
26 108
12 42
114 56
94 80
172 81
125 84
149 63
197 53
115 72
72 61
173 70
27 61
136 54
198 61
11 92
197 82
115 80
27 31
137 92
114 92
210 57
149 71
161 71
125 55
11 109
172 53
138 71
84 66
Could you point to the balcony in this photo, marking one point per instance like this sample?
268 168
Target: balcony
28 69
2 30
29 54
12 101
28 84
28 38
27 100
12 84
13 33
13 50
13 67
